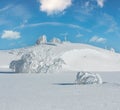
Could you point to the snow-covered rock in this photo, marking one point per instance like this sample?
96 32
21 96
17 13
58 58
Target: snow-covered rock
88 78
41 40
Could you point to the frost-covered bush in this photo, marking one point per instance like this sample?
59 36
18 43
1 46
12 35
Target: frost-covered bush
56 40
12 65
15 65
38 61
88 78
41 40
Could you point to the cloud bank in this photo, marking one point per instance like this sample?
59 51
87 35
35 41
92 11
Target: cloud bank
9 34
52 7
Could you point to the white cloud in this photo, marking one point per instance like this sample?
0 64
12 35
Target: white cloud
87 3
59 24
101 3
9 34
74 26
109 23
53 24
5 8
54 6
21 11
98 39
11 15
86 8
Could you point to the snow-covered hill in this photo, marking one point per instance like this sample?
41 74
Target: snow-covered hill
58 91
76 57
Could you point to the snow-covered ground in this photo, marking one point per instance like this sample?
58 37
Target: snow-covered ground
57 90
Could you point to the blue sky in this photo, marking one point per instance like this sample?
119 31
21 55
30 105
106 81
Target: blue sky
95 22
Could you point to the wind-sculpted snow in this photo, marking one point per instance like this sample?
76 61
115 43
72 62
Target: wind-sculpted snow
37 61
88 78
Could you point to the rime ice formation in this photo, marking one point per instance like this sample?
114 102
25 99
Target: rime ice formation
41 40
37 61
56 40
88 78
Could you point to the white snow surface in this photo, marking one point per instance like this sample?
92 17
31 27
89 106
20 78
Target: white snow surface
58 90
91 60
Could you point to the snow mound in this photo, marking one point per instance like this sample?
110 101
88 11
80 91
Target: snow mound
37 61
88 78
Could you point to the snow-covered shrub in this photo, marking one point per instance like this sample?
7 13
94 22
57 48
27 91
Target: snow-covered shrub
41 40
15 65
56 40
12 65
37 61
88 78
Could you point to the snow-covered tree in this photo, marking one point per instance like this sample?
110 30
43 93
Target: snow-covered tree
41 40
56 40
88 78
37 61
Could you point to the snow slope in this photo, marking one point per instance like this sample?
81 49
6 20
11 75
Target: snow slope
77 57
58 91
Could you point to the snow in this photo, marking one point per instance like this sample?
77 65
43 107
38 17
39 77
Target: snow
41 40
37 61
90 60
88 78
56 40
58 90
76 57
